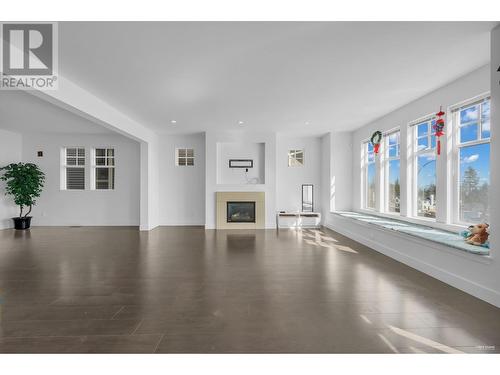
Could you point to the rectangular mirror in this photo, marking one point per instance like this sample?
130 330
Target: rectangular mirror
307 198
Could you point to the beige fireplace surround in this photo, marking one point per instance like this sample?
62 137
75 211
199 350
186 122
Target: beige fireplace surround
241 196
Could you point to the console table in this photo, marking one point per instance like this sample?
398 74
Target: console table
298 220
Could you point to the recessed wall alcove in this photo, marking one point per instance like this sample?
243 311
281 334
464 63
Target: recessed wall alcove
254 151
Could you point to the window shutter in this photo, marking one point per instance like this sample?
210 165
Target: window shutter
75 178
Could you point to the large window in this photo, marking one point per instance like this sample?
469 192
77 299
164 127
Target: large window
424 186
461 173
472 136
73 168
370 175
392 172
104 169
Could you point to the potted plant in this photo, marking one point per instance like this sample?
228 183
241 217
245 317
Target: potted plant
24 181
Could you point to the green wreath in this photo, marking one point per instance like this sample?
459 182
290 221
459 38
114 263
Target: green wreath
376 138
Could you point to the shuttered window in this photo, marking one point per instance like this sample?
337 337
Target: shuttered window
74 168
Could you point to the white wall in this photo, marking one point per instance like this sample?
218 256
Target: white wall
341 192
244 151
10 152
212 138
79 101
336 173
186 198
182 189
471 273
289 180
327 190
88 207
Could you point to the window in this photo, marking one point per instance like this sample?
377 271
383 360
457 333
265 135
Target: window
472 137
104 169
370 174
295 158
73 168
462 171
392 172
424 185
184 157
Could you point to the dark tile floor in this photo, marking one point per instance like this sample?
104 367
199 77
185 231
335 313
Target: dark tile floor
187 290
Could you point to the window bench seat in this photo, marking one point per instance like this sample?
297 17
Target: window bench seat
443 237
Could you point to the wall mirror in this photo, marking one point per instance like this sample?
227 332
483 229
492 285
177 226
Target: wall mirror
307 198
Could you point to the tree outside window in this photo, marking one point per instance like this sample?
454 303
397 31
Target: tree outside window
473 138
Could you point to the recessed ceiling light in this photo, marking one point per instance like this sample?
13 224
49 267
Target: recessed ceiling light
173 122
240 122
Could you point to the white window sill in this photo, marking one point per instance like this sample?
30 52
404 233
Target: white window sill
422 221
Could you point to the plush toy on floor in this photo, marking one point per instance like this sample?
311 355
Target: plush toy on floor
477 234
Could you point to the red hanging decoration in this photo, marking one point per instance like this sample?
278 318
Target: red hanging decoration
375 140
438 128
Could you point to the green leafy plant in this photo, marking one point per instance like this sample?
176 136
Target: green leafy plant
24 182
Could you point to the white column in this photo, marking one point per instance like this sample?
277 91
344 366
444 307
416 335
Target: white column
149 185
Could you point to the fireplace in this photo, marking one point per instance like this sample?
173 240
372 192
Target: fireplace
240 212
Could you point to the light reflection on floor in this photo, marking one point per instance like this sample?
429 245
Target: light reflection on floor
412 336
388 343
319 238
425 341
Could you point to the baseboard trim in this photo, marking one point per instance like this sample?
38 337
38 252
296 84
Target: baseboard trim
182 225
468 286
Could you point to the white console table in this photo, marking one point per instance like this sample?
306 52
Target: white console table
298 220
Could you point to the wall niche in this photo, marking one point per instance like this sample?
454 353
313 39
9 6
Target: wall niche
231 175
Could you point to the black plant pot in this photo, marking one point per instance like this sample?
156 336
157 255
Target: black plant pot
22 223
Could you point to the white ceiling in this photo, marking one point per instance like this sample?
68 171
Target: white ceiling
294 77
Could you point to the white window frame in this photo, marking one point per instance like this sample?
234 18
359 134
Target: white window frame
456 146
364 188
413 129
386 162
94 166
293 161
65 166
177 157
